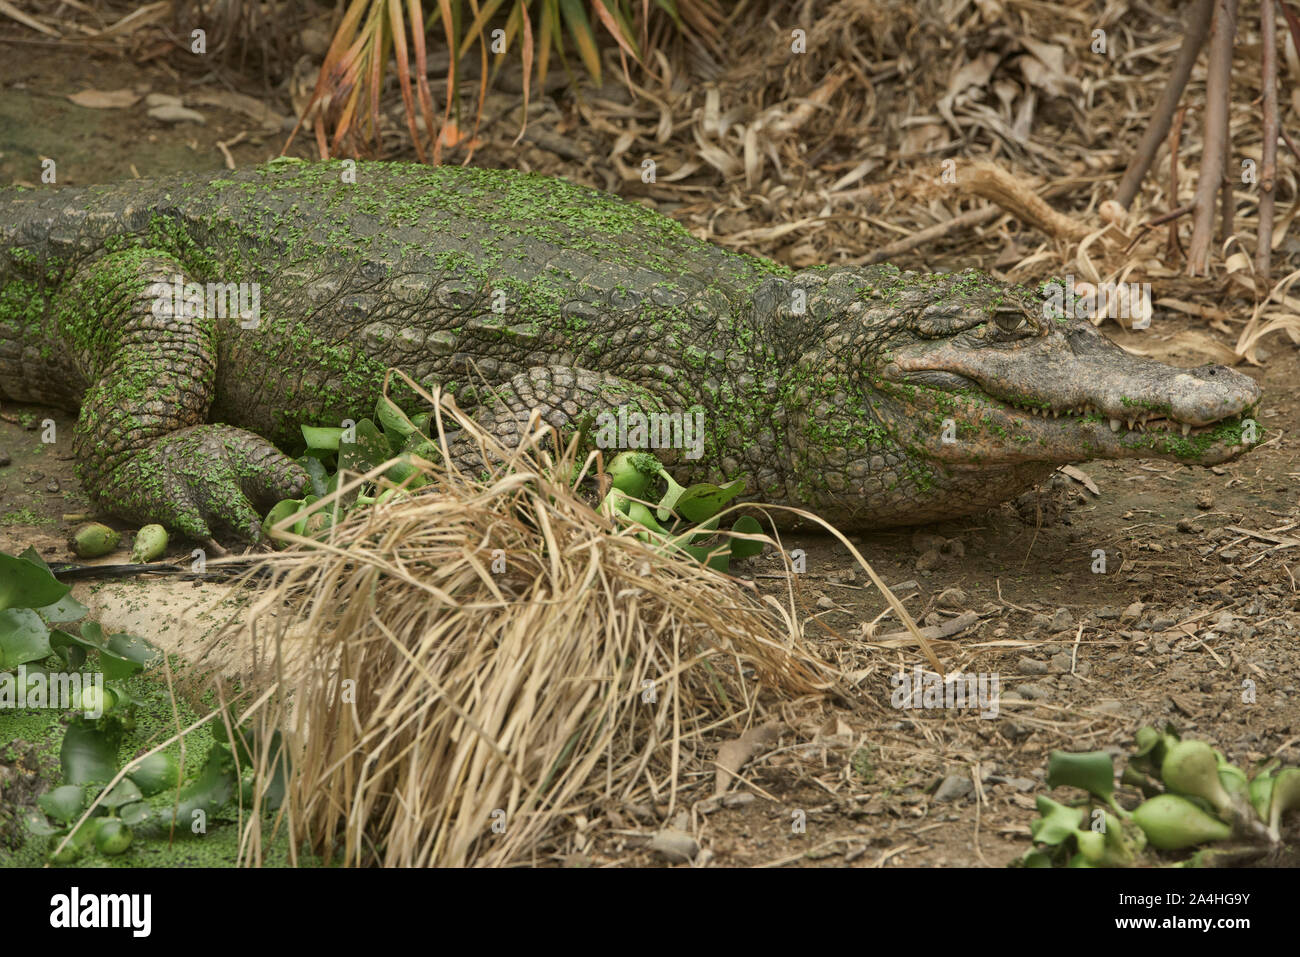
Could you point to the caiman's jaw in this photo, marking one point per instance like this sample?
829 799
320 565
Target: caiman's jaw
1063 393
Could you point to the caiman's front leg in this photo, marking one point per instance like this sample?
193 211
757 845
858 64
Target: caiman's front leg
143 450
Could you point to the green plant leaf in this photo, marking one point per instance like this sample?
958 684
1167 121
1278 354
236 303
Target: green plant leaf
70 649
1056 823
745 548
322 437
1093 771
89 751
701 502
212 789
123 792
66 609
316 472
25 584
64 803
120 655
23 638
369 450
396 424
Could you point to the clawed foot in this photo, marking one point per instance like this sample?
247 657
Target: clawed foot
205 481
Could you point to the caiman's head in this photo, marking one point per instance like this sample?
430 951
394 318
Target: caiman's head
962 391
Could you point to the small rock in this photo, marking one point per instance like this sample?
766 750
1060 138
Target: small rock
1061 621
1229 555
1188 526
1060 663
1132 612
170 113
954 787
53 486
161 99
825 603
1108 613
1040 621
1204 500
1031 666
929 560
1034 692
4 458
674 845
1163 623
738 799
953 598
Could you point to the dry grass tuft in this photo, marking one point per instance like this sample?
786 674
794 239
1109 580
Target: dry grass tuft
443 711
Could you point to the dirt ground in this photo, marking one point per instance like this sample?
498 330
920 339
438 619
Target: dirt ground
1195 620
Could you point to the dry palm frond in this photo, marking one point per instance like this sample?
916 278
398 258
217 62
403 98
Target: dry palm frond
459 669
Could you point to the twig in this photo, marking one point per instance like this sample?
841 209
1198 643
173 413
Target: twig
1215 141
1158 221
976 217
1268 160
1198 25
1174 247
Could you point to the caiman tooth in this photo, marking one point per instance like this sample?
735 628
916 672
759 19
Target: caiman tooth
1114 425
1129 423
1187 428
1056 414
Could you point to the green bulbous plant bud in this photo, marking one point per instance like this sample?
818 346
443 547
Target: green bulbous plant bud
1191 768
94 540
149 545
1171 823
1286 797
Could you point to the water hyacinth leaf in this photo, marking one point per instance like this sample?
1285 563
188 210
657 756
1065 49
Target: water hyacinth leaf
133 815
742 547
123 792
63 804
26 584
127 654
155 773
369 450
1093 771
36 823
322 437
66 609
316 473
703 501
210 792
396 423
1056 822
89 751
23 638
1035 859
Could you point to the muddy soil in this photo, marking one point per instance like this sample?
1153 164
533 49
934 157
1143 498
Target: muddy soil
1194 619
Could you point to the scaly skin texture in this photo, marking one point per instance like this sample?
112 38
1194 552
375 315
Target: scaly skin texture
870 396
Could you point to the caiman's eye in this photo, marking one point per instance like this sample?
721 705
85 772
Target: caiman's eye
1009 320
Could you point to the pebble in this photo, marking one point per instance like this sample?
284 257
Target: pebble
954 787
825 603
1061 621
674 845
951 598
1031 666
4 458
1108 613
1061 662
1229 555
52 486
1132 612
1034 692
1163 623
1188 526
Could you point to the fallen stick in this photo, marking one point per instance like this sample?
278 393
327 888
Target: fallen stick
1198 25
1217 81
976 217
1268 159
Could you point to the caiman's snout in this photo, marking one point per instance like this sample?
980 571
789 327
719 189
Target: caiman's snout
1069 394
1205 395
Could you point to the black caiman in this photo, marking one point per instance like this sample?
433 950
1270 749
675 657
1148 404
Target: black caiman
871 396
